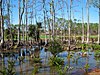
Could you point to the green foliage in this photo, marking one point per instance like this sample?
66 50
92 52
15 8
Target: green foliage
96 47
21 59
85 46
37 64
35 70
97 58
9 70
32 30
55 61
70 55
36 60
86 67
39 24
3 72
7 33
62 71
55 47
83 50
97 53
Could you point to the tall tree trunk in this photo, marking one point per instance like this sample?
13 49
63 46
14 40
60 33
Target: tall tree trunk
53 18
23 23
74 27
44 12
1 22
48 21
19 11
23 28
69 25
99 27
68 17
9 25
26 22
82 24
88 21
20 18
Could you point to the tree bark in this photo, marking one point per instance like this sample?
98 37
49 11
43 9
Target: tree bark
20 18
9 25
26 22
1 22
53 18
44 12
82 24
99 27
19 22
69 25
88 21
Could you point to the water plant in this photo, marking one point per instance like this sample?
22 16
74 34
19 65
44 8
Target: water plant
96 47
62 71
97 53
36 64
9 70
21 59
36 60
86 66
55 47
55 61
35 70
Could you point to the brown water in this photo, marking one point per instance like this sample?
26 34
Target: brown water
77 62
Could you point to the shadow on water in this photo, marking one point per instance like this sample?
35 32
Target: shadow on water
24 66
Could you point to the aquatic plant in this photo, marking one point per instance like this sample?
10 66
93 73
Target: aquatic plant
62 71
55 48
35 70
55 61
96 47
97 53
83 46
36 64
36 60
9 70
86 66
21 59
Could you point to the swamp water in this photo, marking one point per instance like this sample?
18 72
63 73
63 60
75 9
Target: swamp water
76 62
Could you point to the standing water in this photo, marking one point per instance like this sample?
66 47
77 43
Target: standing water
26 67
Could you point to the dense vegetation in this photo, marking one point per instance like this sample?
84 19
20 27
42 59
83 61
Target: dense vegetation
51 25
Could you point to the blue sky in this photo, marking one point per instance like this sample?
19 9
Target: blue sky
62 12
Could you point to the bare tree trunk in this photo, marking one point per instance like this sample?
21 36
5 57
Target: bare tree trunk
9 25
74 27
48 20
23 28
26 22
20 18
44 12
82 24
68 17
1 22
69 24
53 18
19 8
99 27
88 21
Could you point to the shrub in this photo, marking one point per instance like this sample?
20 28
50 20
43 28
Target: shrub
55 61
55 48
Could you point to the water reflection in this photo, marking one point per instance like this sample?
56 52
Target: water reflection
72 59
